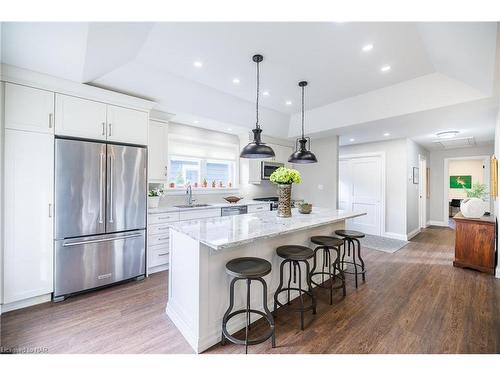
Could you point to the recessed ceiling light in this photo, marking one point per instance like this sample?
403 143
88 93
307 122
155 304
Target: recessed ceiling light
385 68
387 134
236 81
288 102
265 93
196 122
367 47
229 129
351 140
447 134
198 64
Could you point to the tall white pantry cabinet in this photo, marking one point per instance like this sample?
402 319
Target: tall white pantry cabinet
28 191
31 117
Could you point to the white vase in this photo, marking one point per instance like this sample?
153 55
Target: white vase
153 202
473 207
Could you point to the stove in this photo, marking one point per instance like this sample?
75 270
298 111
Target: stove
273 201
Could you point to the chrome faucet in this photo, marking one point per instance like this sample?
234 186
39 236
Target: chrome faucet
189 193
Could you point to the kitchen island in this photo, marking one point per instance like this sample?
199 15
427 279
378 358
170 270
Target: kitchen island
198 285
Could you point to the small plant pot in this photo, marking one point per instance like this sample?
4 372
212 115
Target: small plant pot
153 202
305 208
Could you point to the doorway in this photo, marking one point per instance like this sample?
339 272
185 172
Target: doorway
471 170
362 188
422 192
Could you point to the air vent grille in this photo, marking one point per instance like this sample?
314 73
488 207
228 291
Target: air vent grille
456 142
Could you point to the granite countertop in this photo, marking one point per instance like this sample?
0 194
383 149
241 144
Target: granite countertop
243 202
231 231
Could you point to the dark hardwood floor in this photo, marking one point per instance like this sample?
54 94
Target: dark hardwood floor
414 301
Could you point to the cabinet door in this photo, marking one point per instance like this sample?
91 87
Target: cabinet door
29 109
127 125
157 151
81 118
28 252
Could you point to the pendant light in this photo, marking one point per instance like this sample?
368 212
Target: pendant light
256 149
302 154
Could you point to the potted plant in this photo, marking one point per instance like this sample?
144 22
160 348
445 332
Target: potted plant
284 178
172 185
196 184
214 184
154 197
221 185
474 205
205 183
304 207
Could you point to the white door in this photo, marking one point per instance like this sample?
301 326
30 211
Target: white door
127 125
29 109
78 117
28 252
157 151
360 189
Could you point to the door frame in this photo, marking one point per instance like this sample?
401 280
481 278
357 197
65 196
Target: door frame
446 171
380 155
422 192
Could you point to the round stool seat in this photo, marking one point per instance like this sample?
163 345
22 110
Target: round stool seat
248 267
349 233
327 241
295 252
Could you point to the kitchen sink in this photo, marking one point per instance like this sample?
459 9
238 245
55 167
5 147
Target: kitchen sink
192 205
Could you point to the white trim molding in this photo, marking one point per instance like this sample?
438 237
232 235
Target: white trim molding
26 302
412 234
437 223
395 236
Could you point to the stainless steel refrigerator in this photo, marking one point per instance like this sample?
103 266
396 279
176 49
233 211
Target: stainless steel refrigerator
100 214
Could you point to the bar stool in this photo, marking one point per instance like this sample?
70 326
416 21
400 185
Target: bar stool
328 268
248 268
293 255
351 237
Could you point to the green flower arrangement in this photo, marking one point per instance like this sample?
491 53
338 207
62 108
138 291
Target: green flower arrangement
285 176
478 191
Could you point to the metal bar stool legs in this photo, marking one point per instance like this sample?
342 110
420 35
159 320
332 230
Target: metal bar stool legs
358 264
328 268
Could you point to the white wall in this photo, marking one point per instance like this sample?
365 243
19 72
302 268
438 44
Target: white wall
413 194
396 178
437 176
473 168
320 180
497 154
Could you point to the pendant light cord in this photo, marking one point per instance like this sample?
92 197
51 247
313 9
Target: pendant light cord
257 101
302 112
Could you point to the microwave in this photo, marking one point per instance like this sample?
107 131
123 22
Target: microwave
267 168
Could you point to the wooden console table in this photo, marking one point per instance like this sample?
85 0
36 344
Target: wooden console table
475 243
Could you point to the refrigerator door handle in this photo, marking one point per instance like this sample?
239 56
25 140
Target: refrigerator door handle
101 187
110 187
102 240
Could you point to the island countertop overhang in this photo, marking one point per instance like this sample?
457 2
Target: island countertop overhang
232 231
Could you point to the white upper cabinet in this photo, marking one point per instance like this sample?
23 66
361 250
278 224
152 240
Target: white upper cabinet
29 109
81 118
157 151
127 125
28 224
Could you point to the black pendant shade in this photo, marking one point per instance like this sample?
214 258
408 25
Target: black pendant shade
257 149
302 154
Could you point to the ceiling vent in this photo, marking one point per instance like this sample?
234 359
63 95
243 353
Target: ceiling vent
455 142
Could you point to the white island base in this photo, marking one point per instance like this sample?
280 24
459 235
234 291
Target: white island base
198 285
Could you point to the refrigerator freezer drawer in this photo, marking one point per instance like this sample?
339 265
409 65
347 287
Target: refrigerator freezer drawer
90 262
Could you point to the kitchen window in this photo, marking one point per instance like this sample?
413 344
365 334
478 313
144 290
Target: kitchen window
196 155
185 170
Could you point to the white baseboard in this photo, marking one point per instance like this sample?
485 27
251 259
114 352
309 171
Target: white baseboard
437 223
497 273
396 236
412 234
26 303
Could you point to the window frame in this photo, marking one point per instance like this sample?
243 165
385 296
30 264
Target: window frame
202 162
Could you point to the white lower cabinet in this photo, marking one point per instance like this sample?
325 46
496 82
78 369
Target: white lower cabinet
28 224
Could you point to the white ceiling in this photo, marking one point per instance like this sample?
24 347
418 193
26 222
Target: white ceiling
437 69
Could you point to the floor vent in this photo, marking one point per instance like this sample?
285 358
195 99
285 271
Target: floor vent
456 142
